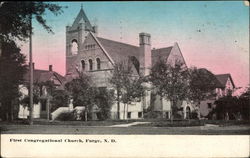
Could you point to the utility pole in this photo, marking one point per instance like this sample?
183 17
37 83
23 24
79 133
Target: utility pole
31 74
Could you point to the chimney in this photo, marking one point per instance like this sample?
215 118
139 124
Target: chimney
144 39
145 53
50 68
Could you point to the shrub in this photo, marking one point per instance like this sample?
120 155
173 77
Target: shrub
70 116
194 115
178 115
152 114
60 98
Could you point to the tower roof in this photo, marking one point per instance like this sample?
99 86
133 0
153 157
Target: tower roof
82 18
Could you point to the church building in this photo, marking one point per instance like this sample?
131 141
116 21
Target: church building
96 56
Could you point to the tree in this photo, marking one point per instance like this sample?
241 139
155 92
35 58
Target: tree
227 107
202 84
26 100
15 18
12 68
244 105
128 86
233 108
82 92
54 97
60 98
171 82
104 100
15 24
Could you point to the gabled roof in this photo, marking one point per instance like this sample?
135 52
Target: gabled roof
82 18
160 53
119 51
213 80
43 76
222 78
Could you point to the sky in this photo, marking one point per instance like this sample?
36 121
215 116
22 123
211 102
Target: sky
212 35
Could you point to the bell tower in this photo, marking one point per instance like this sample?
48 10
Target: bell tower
75 36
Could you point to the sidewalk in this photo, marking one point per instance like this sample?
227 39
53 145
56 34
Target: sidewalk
129 124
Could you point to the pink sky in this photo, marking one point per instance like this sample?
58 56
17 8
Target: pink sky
205 41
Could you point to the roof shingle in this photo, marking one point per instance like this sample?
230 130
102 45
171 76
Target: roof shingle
43 76
160 53
222 78
119 51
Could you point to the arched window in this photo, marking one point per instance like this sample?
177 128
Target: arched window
135 62
90 64
74 48
83 65
98 62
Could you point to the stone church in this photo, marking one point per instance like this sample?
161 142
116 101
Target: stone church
96 56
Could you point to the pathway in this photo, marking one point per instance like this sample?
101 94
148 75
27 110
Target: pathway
129 124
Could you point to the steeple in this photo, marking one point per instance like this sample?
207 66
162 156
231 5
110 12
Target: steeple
75 37
82 18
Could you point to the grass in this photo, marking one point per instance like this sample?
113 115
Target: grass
175 123
72 123
153 122
228 123
162 126
190 123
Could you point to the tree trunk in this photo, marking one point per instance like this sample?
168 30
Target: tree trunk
226 116
124 111
0 43
127 111
162 107
171 116
0 46
142 107
11 112
172 111
86 115
48 108
118 104
7 116
7 105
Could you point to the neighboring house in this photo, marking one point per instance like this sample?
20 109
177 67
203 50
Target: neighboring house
40 76
96 56
225 86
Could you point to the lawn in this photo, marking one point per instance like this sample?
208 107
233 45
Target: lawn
191 123
72 123
155 126
152 122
